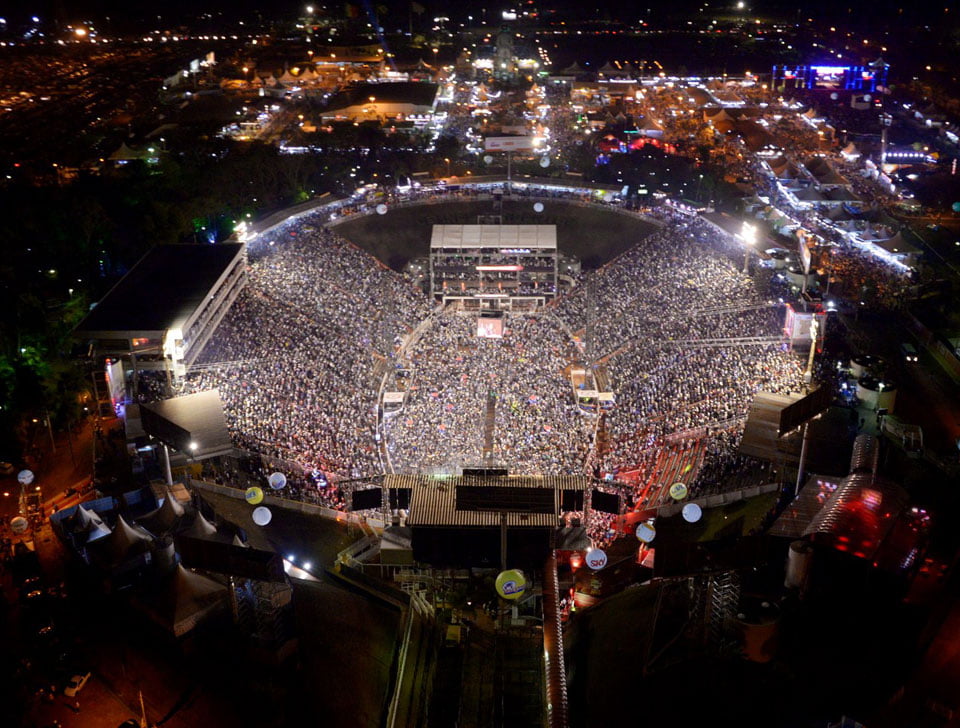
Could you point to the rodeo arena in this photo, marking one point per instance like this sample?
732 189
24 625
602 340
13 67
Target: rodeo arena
501 414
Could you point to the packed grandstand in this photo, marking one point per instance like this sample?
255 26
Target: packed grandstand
323 329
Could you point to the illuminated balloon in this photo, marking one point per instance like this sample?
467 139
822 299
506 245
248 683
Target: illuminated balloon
538 207
262 515
19 524
254 495
646 532
25 477
692 513
277 480
596 559
678 491
511 584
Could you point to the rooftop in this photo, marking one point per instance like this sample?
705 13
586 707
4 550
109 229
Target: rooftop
162 290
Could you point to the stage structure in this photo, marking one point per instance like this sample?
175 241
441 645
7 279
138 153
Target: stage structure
871 77
494 267
477 518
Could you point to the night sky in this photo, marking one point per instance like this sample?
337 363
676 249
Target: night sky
856 12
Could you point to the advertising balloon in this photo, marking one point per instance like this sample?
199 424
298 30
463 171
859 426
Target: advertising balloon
277 480
19 524
678 491
25 477
254 495
511 584
596 559
262 515
646 532
692 513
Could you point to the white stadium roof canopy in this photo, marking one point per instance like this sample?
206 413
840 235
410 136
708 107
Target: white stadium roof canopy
533 237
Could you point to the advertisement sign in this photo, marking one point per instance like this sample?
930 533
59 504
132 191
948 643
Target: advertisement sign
596 559
508 144
511 584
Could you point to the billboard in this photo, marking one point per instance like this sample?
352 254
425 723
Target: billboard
804 409
508 144
797 324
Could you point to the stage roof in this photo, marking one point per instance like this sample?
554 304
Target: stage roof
434 498
417 93
161 291
194 418
533 237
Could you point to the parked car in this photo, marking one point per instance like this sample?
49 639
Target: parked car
75 684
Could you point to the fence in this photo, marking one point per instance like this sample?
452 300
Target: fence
367 524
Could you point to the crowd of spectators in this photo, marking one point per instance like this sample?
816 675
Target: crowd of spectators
300 356
456 377
294 357
658 303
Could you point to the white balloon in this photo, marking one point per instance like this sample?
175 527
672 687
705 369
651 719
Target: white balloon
262 515
25 477
381 209
544 162
596 559
538 207
277 480
692 513
19 524
488 158
834 96
646 532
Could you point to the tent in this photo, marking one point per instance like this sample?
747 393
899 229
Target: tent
200 527
85 526
164 519
184 599
123 546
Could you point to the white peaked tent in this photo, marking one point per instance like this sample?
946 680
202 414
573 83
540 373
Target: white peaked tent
200 527
125 542
165 518
185 599
86 526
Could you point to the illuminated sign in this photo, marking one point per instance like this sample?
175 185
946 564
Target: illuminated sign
829 70
509 144
500 268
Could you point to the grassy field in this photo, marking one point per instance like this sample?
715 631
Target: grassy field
592 234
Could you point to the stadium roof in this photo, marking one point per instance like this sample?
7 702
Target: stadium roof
539 237
161 291
418 93
434 498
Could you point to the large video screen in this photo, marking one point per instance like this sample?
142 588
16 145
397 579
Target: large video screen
490 328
